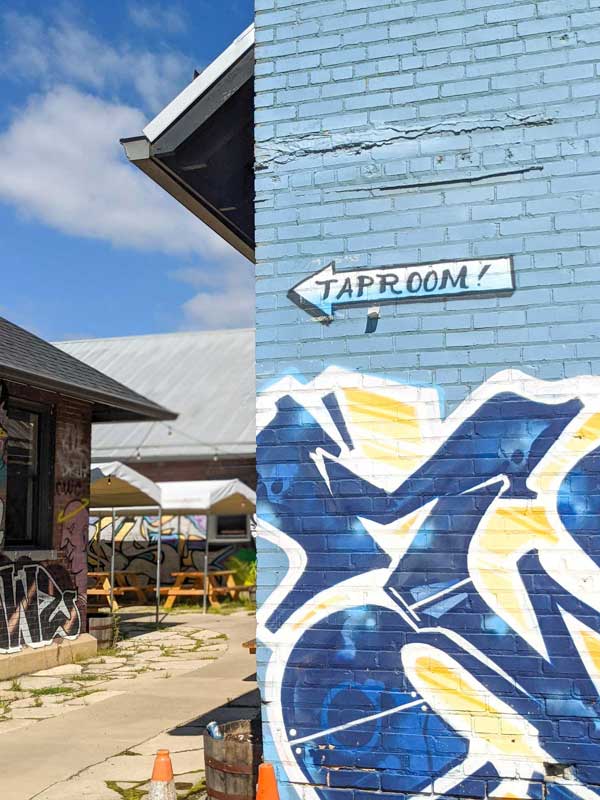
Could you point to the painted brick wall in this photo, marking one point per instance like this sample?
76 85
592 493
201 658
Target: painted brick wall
428 535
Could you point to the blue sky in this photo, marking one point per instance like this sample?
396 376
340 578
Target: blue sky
90 247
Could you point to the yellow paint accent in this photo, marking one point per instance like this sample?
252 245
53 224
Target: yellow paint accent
123 530
467 706
62 517
506 534
385 430
369 409
591 640
563 456
587 642
334 600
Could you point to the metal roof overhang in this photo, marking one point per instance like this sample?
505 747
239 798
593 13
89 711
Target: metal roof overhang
200 148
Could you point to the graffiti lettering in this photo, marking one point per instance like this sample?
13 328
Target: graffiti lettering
183 546
37 605
320 294
440 616
72 448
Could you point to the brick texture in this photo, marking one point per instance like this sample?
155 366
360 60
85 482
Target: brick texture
406 133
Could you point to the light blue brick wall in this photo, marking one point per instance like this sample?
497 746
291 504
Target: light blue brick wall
405 133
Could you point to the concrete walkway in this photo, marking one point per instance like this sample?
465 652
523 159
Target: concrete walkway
95 751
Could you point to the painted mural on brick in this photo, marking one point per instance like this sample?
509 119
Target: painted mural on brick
71 501
182 547
3 458
38 604
436 630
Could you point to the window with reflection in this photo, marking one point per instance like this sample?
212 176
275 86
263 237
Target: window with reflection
29 465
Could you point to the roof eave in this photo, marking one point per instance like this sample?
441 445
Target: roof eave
106 408
138 151
201 84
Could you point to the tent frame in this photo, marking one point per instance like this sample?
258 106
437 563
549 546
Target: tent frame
133 511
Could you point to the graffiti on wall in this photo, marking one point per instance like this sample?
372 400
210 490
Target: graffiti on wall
3 458
182 546
38 603
436 630
72 498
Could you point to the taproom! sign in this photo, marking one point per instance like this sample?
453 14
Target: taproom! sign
323 292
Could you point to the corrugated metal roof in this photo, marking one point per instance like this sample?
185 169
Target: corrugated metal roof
207 377
26 358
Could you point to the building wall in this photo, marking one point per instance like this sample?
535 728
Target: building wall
428 535
43 592
72 492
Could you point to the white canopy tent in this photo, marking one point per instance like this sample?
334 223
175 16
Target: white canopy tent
208 497
116 487
229 497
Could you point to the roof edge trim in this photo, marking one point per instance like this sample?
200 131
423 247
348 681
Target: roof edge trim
136 149
146 413
199 85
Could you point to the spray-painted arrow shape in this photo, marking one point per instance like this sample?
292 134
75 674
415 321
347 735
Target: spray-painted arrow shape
324 291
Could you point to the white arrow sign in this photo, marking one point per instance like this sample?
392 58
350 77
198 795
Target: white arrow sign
320 294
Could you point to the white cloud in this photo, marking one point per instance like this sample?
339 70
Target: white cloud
61 163
151 16
225 299
65 52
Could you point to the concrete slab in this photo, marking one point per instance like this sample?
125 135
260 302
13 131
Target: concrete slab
39 682
166 741
145 709
60 652
64 669
79 789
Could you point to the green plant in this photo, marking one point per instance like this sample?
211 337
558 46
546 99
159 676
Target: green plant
245 570
16 686
131 793
50 690
196 792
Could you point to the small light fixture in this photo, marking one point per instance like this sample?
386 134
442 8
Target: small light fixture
109 479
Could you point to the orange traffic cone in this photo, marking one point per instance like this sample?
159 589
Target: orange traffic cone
267 783
162 785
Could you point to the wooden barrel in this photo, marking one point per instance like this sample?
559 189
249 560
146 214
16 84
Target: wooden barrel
231 763
100 626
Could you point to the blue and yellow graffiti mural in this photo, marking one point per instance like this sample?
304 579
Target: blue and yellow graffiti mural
438 628
183 546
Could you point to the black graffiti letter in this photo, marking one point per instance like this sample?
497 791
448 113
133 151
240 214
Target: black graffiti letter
459 282
327 284
388 282
410 283
431 281
363 282
346 289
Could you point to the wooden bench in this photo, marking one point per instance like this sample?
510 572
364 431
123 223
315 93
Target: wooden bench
102 588
192 584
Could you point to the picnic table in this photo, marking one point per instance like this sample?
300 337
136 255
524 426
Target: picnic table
125 583
192 583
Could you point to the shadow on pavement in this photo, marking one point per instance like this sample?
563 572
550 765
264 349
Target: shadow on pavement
246 706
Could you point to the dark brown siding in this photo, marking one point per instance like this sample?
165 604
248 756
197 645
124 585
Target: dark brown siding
205 470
